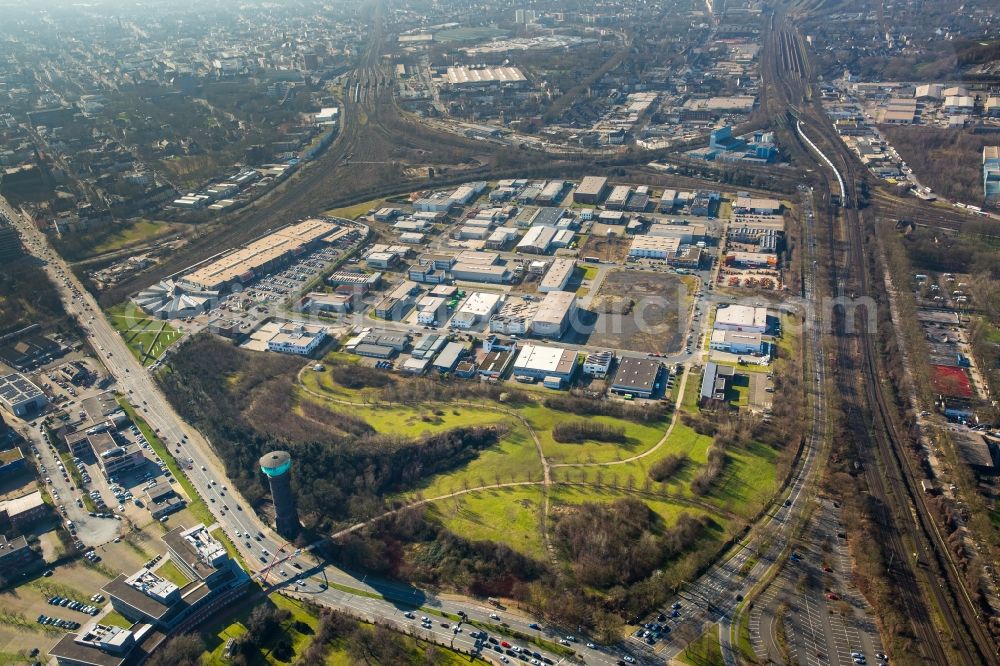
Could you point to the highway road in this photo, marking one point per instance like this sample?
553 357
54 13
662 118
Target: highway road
231 511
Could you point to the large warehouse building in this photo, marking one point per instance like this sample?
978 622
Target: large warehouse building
483 77
261 255
554 314
540 362
591 190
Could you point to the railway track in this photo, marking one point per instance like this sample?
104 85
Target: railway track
904 525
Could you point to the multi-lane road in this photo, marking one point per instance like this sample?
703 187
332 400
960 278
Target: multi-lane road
282 564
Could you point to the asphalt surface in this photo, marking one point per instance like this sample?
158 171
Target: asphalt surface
231 512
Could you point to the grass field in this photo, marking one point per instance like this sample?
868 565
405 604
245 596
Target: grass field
217 634
351 212
705 651
172 573
146 338
135 233
116 619
510 515
640 437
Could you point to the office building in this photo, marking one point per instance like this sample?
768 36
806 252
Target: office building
276 466
598 364
295 338
991 173
714 382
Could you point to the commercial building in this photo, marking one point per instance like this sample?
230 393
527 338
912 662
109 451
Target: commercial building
276 466
168 299
477 307
318 302
598 364
260 256
500 238
24 510
537 240
431 310
162 500
20 397
295 338
488 273
991 173
495 364
483 77
685 233
449 357
618 198
715 381
654 247
736 342
751 259
29 350
639 377
558 275
554 314
538 362
361 282
514 317
428 346
398 302
591 190
755 206
741 318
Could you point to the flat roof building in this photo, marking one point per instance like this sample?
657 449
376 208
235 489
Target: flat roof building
741 318
257 257
514 317
591 190
539 362
295 338
554 315
20 396
618 198
480 273
537 240
558 275
449 357
637 376
736 342
654 247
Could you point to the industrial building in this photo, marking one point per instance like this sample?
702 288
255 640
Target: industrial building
260 256
449 357
618 198
654 247
755 206
685 233
736 342
538 362
431 310
555 312
168 299
537 240
20 397
558 275
495 364
483 77
639 377
741 318
361 282
318 302
514 317
480 273
591 190
477 307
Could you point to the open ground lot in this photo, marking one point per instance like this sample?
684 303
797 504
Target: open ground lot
640 311
612 249
147 338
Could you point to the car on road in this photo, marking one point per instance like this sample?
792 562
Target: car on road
831 596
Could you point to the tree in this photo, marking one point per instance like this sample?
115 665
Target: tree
181 650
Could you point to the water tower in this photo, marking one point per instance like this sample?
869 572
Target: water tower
276 466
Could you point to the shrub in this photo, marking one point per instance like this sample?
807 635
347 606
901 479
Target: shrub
665 468
581 431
